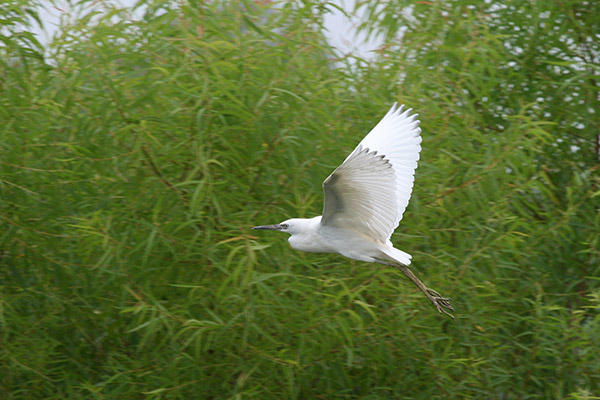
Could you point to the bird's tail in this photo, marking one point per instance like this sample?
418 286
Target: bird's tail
395 255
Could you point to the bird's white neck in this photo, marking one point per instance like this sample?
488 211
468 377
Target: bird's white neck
305 235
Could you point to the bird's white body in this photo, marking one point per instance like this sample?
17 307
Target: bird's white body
308 234
365 198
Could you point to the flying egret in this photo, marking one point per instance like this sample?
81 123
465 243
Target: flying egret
365 198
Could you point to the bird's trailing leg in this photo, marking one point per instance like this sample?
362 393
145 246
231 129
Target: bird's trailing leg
441 303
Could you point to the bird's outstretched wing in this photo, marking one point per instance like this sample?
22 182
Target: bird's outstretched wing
371 189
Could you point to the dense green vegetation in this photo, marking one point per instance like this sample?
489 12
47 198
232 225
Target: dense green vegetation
135 155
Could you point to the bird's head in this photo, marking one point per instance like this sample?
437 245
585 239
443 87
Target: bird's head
291 226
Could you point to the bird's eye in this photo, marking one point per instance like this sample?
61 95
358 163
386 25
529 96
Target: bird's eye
284 226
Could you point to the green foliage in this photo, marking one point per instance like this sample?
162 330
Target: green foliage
136 155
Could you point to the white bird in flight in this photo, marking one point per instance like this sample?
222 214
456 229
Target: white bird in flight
365 198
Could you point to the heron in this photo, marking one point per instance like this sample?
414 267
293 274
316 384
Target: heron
365 198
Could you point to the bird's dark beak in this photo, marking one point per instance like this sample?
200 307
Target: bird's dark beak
276 227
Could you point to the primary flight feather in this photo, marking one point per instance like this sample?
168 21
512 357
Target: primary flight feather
365 198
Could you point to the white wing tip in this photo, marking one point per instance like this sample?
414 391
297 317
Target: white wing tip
402 111
395 109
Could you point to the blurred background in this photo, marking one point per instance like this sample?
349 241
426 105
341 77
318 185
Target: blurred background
140 142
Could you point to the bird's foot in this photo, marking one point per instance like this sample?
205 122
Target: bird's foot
441 303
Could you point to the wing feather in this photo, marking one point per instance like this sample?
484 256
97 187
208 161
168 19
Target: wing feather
369 192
